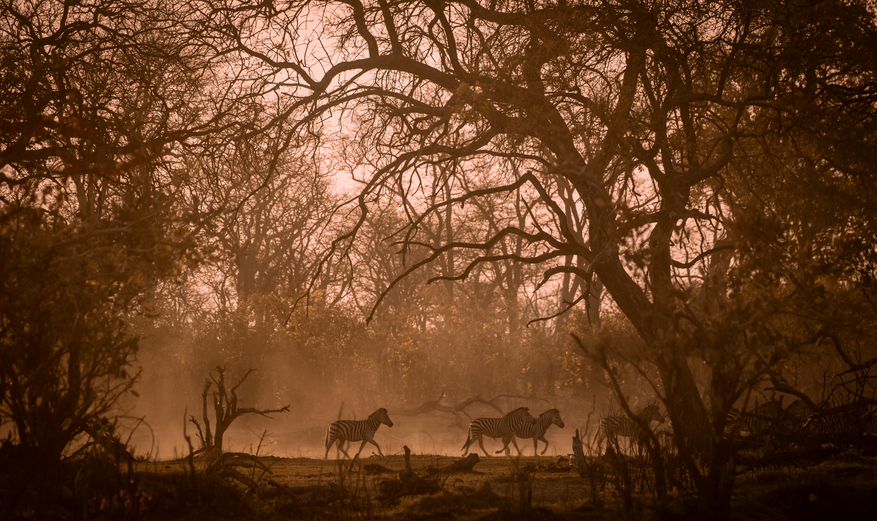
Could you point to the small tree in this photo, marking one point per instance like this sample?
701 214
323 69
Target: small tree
225 410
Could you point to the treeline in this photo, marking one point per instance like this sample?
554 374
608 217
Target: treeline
688 188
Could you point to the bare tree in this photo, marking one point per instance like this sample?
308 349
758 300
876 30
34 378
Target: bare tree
225 410
643 111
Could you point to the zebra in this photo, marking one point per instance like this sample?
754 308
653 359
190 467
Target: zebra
797 413
611 427
843 426
355 430
796 420
537 430
503 428
765 419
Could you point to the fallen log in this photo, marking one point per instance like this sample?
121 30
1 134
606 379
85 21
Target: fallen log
408 484
374 468
314 495
461 465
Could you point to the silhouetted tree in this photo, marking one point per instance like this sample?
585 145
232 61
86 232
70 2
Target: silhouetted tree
647 112
99 101
224 405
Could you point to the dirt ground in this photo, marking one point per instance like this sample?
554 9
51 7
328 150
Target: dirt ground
492 485
296 488
553 483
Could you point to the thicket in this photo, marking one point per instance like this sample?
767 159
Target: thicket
687 187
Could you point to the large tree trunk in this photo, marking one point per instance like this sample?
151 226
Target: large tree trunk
654 323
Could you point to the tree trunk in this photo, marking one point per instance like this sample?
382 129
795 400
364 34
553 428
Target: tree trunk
688 414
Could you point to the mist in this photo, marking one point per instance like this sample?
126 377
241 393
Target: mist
319 392
628 211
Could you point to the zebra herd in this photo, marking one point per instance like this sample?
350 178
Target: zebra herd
516 424
768 420
767 423
827 423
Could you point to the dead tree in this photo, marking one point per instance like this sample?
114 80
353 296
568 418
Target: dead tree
225 410
459 409
409 483
584 469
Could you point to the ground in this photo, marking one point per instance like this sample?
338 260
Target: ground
842 487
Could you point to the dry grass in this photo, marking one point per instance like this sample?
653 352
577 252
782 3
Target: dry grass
844 485
494 485
499 473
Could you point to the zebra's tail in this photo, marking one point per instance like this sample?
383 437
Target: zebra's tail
468 437
326 443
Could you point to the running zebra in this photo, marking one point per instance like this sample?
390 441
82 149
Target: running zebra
611 427
355 430
537 430
503 428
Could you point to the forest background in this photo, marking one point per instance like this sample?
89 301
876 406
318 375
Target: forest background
687 187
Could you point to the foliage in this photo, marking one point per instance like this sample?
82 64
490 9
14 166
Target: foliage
97 94
165 171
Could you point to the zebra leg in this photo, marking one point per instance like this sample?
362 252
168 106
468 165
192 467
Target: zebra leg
546 444
515 443
505 447
373 442
481 444
362 445
469 442
329 441
536 445
341 443
598 440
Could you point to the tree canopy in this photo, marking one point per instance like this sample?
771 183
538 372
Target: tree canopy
705 169
639 138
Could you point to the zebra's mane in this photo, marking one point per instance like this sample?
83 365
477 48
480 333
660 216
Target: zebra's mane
650 410
516 411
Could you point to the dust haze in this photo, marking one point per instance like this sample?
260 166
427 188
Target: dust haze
170 394
656 217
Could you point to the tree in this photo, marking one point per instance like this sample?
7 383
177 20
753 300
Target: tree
642 115
225 410
97 98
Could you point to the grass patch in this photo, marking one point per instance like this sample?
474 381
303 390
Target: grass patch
842 487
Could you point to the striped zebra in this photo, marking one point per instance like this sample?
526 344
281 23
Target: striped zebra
355 430
503 428
796 418
845 426
765 419
537 430
797 413
611 427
